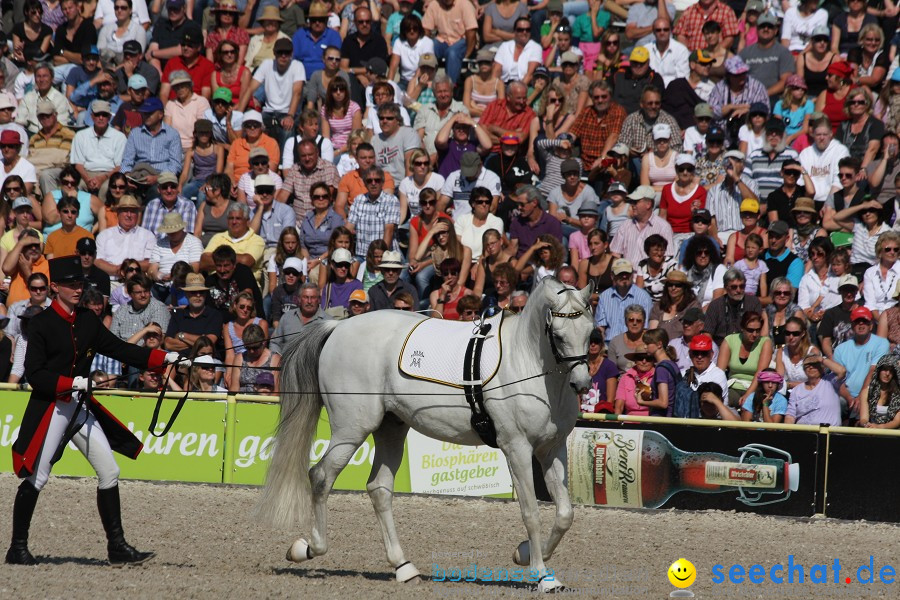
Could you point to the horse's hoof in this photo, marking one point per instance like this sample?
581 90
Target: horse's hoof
522 555
299 551
549 586
407 572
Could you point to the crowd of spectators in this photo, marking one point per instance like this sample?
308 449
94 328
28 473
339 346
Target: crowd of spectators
724 174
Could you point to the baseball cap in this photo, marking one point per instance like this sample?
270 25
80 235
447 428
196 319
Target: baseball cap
685 159
263 180
796 81
774 124
192 38
701 343
735 154
617 188
151 104
341 255
715 134
622 265
283 45
735 65
759 108
137 82
662 131
258 152
132 47
428 60
100 107
703 110
639 54
6 101
45 107
252 116
700 56
571 57
821 31
861 312
569 165
166 177
767 19
750 205
266 378
21 202
642 192
755 6
90 50
223 94
359 296
848 280
86 245
470 165
692 315
293 263
620 149
179 77
702 214
509 138
778 228
377 66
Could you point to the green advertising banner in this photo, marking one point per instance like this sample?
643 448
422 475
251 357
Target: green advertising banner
193 450
254 434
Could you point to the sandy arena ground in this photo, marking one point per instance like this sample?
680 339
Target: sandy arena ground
208 547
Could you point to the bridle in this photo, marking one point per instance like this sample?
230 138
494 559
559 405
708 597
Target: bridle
560 359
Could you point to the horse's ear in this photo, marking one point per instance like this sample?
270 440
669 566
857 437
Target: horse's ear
586 292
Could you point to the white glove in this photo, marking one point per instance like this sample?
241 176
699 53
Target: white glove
174 357
80 383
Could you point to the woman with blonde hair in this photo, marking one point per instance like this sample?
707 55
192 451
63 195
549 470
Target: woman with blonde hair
861 133
346 162
243 314
422 178
870 59
255 359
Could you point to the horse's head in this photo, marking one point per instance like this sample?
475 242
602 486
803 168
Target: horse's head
568 325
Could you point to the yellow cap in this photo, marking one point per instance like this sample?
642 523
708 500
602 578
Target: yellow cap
639 54
750 205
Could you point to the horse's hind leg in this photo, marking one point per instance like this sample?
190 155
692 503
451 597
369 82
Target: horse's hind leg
554 465
389 439
344 443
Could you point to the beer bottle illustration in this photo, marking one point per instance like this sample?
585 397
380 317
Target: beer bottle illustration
641 468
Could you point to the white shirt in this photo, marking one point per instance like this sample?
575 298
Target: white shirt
410 55
879 292
811 287
115 244
23 169
456 186
326 151
822 167
246 183
408 187
671 64
98 153
515 70
713 374
470 235
162 255
798 29
107 13
279 87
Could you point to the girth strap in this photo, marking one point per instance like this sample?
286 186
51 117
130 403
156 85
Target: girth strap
481 420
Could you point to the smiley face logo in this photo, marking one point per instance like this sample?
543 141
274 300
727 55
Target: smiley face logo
682 573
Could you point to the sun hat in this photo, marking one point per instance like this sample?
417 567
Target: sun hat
194 282
172 223
391 259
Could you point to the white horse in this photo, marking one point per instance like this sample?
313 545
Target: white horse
351 367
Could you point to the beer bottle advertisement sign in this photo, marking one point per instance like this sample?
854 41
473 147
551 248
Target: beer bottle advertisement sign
641 468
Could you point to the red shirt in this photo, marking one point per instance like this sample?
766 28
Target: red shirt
691 23
201 73
497 114
679 213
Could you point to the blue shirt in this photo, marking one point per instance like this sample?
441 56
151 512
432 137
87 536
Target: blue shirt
795 271
777 407
315 239
274 222
859 359
611 309
162 150
309 51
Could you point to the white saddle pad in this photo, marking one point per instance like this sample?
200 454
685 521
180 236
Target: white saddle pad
435 350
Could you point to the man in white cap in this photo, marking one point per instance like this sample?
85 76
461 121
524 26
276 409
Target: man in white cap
7 110
269 218
50 148
173 244
286 296
629 240
169 201
381 294
97 151
724 198
614 302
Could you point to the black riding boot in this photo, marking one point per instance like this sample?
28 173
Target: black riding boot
120 551
26 499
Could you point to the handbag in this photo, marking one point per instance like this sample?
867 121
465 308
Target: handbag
337 313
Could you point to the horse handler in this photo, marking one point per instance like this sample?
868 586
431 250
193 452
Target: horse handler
62 342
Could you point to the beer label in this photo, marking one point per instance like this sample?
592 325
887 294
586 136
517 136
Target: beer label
605 467
741 474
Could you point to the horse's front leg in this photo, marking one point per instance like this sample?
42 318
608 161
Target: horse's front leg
554 464
519 456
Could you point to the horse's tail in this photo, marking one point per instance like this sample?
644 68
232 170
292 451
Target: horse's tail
286 497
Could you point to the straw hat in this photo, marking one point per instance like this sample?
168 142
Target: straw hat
676 276
194 282
271 13
172 223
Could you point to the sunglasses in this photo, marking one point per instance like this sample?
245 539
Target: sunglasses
374 180
224 52
320 197
168 186
612 42
846 175
14 189
481 202
133 270
789 333
283 53
891 249
449 273
699 353
118 186
753 329
333 58
37 288
386 118
260 163
642 358
523 29
856 102
265 190
635 320
69 211
291 273
421 163
702 251
252 125
737 286
68 182
9 146
428 203
685 169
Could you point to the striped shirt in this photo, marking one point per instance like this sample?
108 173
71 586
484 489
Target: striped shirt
724 203
155 212
341 126
767 173
611 307
127 321
369 218
161 149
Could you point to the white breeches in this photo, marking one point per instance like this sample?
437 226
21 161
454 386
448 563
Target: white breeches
90 441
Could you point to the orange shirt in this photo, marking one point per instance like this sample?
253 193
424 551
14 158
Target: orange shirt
239 154
18 288
60 243
353 184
